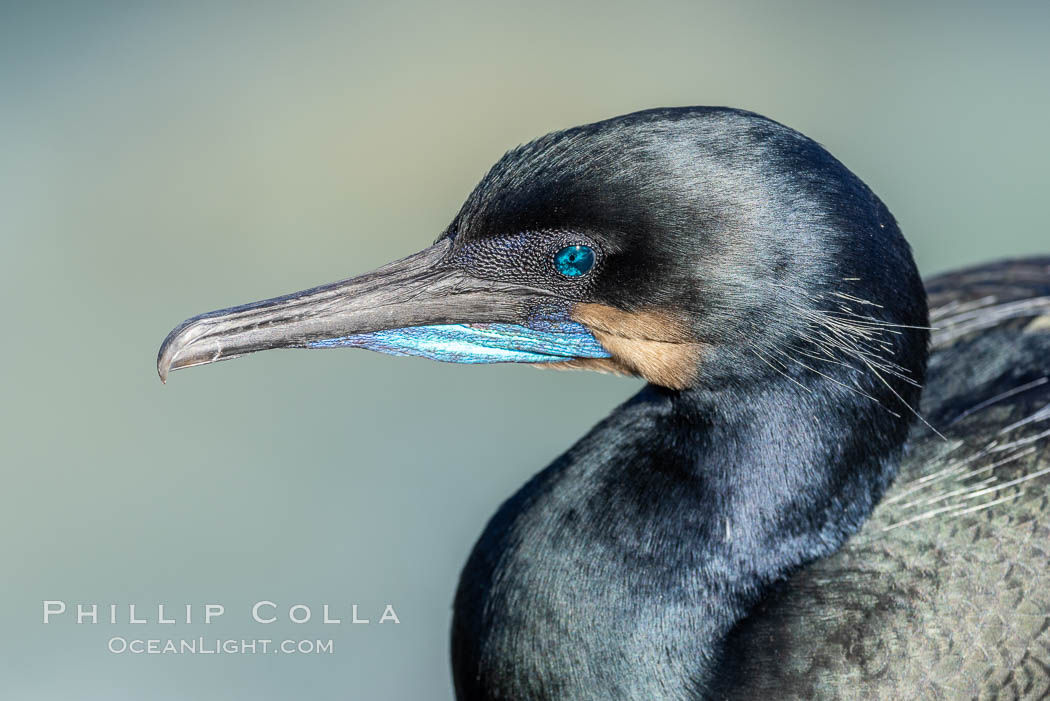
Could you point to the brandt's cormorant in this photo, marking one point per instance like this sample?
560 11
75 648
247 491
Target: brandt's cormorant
697 543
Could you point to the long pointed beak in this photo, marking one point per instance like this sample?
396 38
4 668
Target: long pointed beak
420 305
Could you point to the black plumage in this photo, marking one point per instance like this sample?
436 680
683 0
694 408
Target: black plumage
769 298
945 591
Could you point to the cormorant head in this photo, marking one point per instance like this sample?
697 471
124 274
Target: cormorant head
695 247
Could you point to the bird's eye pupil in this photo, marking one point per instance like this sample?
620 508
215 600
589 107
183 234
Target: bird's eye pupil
573 261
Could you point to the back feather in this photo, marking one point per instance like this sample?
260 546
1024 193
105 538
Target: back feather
945 592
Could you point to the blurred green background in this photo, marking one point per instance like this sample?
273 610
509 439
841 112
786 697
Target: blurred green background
161 160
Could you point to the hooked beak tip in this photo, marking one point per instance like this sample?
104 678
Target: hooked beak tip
164 358
170 351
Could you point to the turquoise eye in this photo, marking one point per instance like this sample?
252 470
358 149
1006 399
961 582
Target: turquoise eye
573 261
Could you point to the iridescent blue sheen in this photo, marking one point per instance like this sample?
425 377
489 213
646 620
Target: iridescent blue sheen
545 340
573 261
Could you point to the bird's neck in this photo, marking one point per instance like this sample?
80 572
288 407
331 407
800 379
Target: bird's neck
649 539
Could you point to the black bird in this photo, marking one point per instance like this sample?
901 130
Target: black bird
770 300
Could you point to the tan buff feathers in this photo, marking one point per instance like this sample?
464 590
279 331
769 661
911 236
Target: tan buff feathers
652 343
